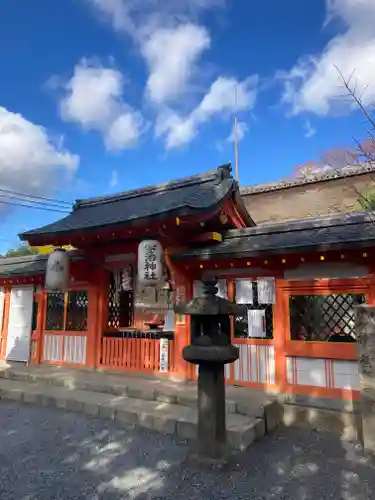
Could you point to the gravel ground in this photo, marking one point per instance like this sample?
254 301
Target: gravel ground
51 454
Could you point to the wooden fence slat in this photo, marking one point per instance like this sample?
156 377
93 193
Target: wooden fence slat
104 351
117 353
143 354
135 355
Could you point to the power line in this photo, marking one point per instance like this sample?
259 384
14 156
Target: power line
49 209
43 198
37 202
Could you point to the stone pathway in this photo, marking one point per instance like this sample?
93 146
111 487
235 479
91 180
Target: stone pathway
47 454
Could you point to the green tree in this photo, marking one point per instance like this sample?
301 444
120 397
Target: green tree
366 202
21 251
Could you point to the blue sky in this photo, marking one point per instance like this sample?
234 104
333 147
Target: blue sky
100 96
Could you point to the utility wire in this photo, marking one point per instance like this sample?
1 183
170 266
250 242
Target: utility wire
34 202
40 207
26 200
52 201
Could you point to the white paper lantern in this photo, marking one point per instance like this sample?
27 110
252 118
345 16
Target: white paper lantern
150 265
57 272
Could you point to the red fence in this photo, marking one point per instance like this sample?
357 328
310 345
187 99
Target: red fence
135 355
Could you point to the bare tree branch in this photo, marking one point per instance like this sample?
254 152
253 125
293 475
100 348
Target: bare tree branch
364 152
353 94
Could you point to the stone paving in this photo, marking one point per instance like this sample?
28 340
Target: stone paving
48 454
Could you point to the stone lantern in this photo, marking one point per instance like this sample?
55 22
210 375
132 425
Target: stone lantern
210 349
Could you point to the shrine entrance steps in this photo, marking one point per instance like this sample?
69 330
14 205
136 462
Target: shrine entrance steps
154 402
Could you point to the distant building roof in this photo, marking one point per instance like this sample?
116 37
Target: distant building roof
313 178
28 265
183 197
318 234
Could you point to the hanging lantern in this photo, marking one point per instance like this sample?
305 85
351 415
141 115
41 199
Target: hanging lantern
150 267
57 272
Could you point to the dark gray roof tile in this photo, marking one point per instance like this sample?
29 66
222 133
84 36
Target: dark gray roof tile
325 233
29 265
23 266
182 197
313 178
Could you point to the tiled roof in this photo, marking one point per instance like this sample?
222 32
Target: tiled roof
29 265
181 197
313 178
320 234
23 266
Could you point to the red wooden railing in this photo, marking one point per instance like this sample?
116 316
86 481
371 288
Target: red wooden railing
135 355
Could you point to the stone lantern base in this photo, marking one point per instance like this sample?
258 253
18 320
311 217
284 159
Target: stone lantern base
211 396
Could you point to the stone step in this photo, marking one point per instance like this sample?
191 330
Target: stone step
165 417
239 400
175 393
150 390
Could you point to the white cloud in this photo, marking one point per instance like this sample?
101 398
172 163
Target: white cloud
140 18
114 179
171 55
310 130
31 161
171 39
242 129
94 99
228 95
313 84
125 131
225 96
93 95
168 36
176 130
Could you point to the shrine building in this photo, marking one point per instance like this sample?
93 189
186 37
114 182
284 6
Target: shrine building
299 279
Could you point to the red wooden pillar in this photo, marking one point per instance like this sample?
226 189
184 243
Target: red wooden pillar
38 336
182 292
280 336
182 327
232 298
95 317
4 329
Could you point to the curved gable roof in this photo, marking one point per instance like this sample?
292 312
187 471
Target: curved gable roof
183 197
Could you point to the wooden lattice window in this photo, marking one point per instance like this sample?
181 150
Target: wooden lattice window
76 311
67 311
324 317
55 311
120 305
